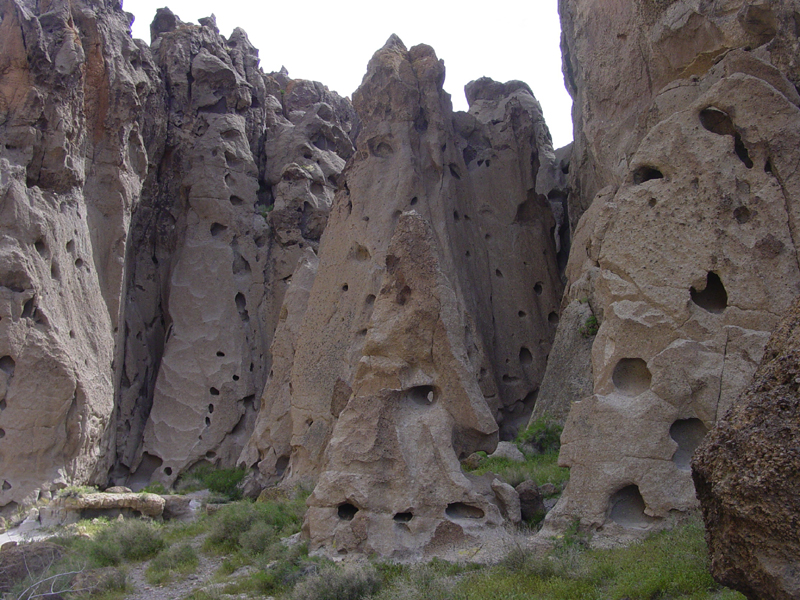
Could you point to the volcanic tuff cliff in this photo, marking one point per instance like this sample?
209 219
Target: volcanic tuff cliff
205 264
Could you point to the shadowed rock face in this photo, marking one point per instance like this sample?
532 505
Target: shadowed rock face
745 473
686 259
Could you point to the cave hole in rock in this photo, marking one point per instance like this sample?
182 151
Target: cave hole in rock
687 433
360 253
167 471
742 215
522 314
719 122
6 485
768 167
2 433
236 201
454 171
317 189
345 287
211 454
646 173
208 421
552 318
370 300
216 229
538 288
423 395
403 295
144 472
529 401
498 273
414 201
71 246
456 216
3 404
714 297
241 306
55 272
403 517
220 353
346 511
525 356
211 408
7 365
383 150
235 378
627 509
41 248
213 391
280 465
467 254
28 308
631 376
79 262
460 510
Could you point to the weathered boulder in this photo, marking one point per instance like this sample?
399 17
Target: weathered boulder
530 500
685 260
745 472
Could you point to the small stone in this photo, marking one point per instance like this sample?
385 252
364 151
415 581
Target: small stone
509 501
509 451
530 500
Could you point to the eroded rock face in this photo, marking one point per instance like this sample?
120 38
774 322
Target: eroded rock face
745 475
686 260
72 94
426 321
240 192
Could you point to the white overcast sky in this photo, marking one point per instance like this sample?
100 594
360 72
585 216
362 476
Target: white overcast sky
332 41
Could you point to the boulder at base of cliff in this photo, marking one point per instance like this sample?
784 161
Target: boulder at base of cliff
746 471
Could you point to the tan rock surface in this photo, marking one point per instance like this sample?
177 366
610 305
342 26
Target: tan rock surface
745 472
687 266
72 162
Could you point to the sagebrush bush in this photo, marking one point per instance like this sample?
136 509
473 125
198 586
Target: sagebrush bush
253 526
542 436
352 582
131 539
176 560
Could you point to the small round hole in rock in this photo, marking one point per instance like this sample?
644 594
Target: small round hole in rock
646 173
714 297
521 314
538 288
552 318
346 511
627 509
2 433
345 287
370 300
167 471
424 395
211 408
460 510
525 356
220 353
217 228
631 376
403 517
687 433
214 391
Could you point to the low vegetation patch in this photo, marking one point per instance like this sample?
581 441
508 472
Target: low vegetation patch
177 560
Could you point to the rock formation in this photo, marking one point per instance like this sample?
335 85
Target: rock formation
686 256
427 320
745 473
73 90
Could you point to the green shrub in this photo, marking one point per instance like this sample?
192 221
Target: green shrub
541 468
352 582
219 481
254 526
156 487
542 436
125 540
590 327
177 560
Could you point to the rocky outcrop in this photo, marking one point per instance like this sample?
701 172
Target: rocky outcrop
241 187
73 91
745 473
420 334
687 256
